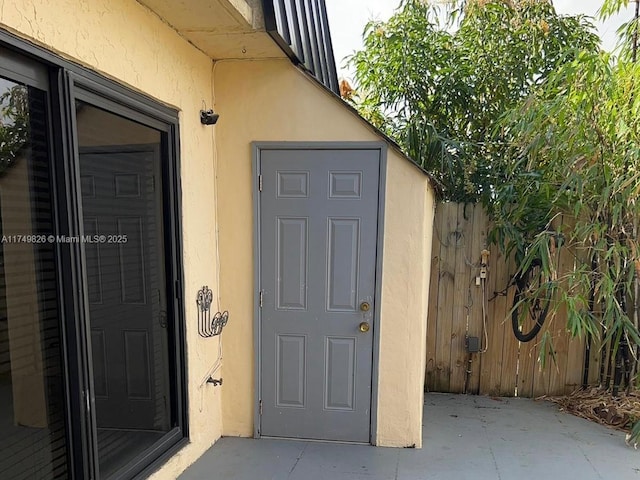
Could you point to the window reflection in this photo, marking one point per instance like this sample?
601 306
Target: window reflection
120 170
32 420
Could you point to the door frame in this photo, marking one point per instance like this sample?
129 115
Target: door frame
257 148
103 95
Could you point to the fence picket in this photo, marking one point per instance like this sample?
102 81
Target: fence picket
461 288
449 225
476 323
432 316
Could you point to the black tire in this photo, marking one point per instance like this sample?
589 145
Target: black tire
531 278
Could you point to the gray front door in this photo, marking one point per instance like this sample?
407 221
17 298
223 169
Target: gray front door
318 238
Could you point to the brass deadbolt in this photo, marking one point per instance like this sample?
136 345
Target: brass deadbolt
365 306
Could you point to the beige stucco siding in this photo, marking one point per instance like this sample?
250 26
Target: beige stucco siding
273 101
409 213
127 42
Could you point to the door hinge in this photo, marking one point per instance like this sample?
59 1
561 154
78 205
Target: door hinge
261 295
260 407
260 182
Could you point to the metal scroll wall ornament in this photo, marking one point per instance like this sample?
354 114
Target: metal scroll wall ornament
207 326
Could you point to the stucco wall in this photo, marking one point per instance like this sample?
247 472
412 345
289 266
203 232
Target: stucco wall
409 211
127 42
271 100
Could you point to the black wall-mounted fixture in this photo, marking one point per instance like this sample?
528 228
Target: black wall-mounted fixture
208 327
208 117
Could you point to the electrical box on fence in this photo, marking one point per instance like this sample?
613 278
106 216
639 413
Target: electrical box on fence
472 344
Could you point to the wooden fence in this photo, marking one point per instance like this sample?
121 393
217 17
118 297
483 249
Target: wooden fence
456 310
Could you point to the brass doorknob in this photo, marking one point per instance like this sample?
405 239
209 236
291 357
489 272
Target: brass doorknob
365 306
363 327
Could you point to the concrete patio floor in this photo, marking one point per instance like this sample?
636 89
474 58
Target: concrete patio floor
464 437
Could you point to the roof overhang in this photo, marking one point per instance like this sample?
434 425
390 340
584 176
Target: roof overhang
220 28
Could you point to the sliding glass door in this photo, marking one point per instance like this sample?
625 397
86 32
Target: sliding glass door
33 432
91 335
127 287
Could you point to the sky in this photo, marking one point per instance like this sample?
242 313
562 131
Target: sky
347 19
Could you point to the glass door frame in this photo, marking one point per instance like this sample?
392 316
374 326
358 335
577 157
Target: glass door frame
101 96
67 83
20 68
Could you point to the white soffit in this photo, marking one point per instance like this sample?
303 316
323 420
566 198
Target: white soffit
220 28
219 16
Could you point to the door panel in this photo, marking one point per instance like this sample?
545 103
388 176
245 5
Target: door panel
123 316
33 423
342 268
340 378
291 371
292 263
120 171
318 224
131 257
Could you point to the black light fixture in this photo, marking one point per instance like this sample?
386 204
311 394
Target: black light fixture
208 117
